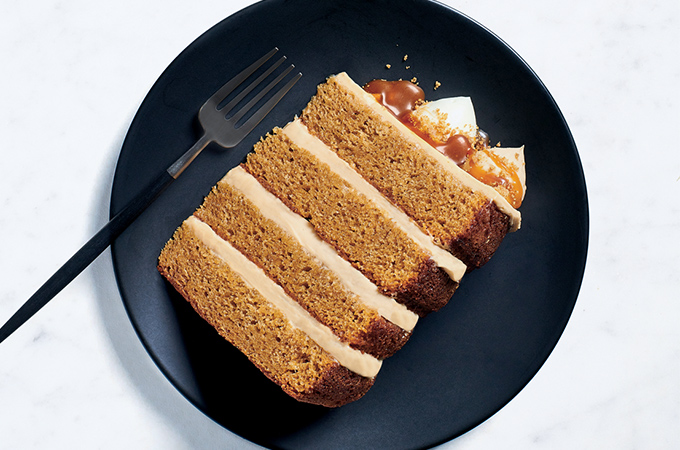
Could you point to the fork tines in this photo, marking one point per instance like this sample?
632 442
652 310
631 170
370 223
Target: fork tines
233 106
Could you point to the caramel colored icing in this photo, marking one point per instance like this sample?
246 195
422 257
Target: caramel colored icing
296 226
298 134
465 178
354 360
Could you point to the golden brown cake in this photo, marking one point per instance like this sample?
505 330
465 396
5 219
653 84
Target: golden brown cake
358 230
304 278
318 254
243 312
462 214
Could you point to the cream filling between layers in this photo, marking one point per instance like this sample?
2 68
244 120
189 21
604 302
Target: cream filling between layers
296 226
465 178
354 360
301 137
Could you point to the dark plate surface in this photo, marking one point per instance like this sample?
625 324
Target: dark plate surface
464 362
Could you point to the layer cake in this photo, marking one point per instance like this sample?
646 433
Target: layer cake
318 254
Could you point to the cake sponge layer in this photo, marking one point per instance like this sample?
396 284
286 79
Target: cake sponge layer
461 220
234 218
359 231
251 323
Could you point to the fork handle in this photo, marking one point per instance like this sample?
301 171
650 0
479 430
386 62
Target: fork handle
87 254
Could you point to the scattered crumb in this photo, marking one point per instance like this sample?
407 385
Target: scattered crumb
388 66
408 67
414 80
498 144
405 57
436 85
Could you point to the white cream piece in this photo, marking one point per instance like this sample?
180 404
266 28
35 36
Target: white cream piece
354 360
295 225
465 178
459 114
299 135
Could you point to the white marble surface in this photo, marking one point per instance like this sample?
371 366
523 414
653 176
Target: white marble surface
76 375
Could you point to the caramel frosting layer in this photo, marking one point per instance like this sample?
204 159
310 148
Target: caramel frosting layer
354 360
296 226
465 178
298 134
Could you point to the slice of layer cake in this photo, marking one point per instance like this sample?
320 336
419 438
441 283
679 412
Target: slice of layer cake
318 254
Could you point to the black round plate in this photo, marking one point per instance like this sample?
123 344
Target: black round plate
464 362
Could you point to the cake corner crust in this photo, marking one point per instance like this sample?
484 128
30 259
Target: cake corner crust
336 387
382 339
481 239
430 292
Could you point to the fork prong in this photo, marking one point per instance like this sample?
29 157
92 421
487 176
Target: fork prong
232 84
258 115
229 106
248 106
